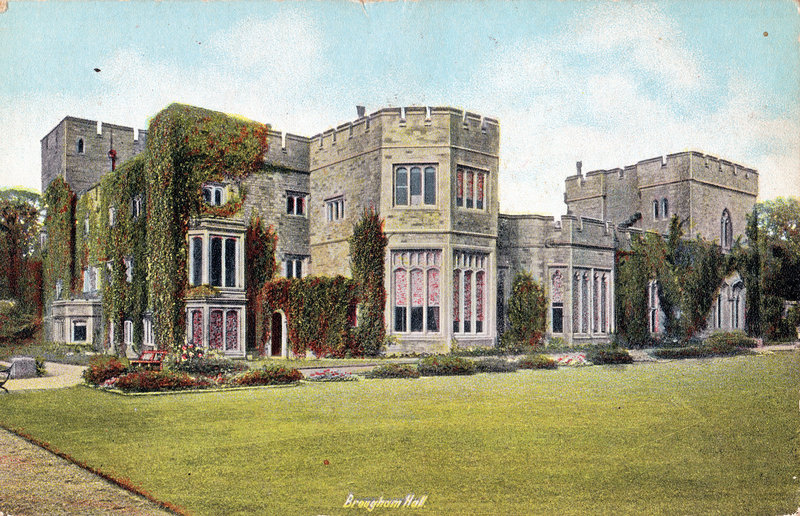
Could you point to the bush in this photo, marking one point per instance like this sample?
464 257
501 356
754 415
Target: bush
330 375
684 352
728 340
495 365
41 370
444 365
270 374
102 368
537 361
393 371
151 381
607 355
209 366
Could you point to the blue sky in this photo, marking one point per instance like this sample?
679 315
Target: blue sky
607 83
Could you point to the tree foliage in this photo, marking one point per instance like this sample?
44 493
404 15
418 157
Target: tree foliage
527 310
367 251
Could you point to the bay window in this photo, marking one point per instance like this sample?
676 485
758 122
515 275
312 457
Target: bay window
416 287
469 292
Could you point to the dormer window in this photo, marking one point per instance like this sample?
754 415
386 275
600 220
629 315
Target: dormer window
214 195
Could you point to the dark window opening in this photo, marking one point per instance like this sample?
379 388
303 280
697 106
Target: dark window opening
430 185
433 318
79 332
216 262
558 318
197 261
400 318
230 262
416 318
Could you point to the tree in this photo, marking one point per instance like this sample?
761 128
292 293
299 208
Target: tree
527 310
19 231
367 251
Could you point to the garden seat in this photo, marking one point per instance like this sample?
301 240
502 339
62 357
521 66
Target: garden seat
150 359
5 374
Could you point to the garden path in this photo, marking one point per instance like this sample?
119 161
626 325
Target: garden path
35 481
58 375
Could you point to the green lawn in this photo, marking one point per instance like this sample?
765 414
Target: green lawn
713 436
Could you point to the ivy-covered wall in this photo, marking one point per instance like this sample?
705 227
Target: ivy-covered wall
59 256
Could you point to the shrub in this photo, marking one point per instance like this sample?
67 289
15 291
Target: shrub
102 368
608 355
495 365
727 340
444 365
150 381
330 375
393 371
684 352
41 370
527 310
537 361
270 374
209 366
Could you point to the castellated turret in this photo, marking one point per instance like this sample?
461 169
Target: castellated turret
78 150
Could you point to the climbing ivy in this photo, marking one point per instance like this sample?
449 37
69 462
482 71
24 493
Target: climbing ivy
260 242
187 147
527 310
319 314
367 251
59 256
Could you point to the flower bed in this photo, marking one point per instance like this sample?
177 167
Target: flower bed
443 365
393 371
537 361
572 360
102 368
268 375
330 375
605 355
154 381
495 365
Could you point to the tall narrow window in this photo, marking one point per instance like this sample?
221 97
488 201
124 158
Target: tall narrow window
664 208
231 330
469 179
557 296
479 190
655 209
230 262
215 272
400 300
417 299
460 188
197 261
480 280
416 185
726 230
79 146
433 300
604 304
215 329
127 332
585 303
430 185
197 328
401 186
719 311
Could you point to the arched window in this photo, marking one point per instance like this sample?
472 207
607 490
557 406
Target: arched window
655 209
79 146
664 207
726 230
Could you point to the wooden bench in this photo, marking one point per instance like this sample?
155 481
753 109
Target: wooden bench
150 359
5 374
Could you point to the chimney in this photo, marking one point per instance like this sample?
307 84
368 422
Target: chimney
578 165
361 110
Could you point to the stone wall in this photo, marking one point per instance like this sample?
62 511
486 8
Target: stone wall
82 170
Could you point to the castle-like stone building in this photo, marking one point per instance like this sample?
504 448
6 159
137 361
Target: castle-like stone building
432 175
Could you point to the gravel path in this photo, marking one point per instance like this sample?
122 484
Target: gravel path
58 375
34 481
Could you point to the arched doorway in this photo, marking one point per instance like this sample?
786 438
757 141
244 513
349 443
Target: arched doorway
277 334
